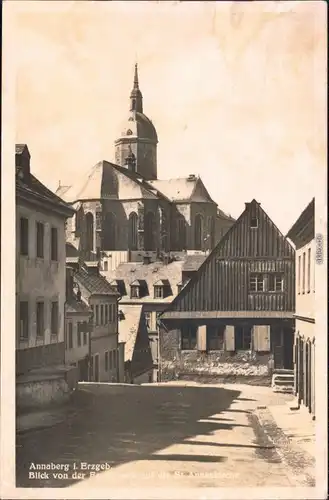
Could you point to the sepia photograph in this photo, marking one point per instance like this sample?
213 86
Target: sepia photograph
164 329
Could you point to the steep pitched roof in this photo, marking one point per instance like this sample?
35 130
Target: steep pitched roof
183 189
94 283
230 246
130 272
128 327
33 189
72 305
304 224
193 262
110 181
223 215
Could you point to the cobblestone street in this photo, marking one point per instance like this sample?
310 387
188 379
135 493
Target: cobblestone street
190 435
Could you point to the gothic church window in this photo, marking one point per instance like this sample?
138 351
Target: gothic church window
132 231
181 233
149 231
89 232
198 232
110 230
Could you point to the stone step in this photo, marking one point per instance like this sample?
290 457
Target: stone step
283 371
283 377
283 389
283 382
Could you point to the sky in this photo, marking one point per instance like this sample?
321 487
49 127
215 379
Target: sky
236 91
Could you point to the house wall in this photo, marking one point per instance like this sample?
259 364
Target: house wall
249 366
76 353
100 346
40 280
305 332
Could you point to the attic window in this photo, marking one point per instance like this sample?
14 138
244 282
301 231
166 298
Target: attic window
158 291
254 223
134 291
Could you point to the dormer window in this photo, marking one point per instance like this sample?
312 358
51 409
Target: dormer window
162 289
134 291
138 289
158 292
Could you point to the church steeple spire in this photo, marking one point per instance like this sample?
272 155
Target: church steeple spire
136 98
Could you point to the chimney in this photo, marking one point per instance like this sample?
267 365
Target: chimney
22 161
146 259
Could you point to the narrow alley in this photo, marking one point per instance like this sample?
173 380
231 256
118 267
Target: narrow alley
194 436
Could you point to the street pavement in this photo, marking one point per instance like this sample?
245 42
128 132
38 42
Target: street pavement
182 434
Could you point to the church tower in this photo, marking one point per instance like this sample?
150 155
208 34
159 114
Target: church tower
138 140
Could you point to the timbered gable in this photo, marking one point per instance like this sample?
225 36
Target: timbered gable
251 269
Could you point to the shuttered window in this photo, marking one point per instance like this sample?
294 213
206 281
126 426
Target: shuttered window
215 338
189 337
242 338
261 338
229 338
202 338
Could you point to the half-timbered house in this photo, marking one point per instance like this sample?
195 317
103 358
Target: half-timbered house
234 318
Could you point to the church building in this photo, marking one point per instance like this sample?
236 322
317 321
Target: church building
123 210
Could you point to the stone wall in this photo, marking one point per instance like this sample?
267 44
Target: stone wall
40 356
212 366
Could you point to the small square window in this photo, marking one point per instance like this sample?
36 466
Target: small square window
254 223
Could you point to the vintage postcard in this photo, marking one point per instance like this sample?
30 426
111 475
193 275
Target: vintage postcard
164 250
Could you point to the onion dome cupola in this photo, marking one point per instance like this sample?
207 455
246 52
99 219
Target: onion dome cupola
138 137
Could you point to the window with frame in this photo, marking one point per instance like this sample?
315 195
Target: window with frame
114 359
110 360
158 292
79 333
189 337
299 272
54 318
24 236
304 270
147 316
243 338
97 314
215 338
134 291
105 265
54 244
85 332
106 314
70 336
275 282
106 361
114 312
24 320
308 270
256 282
102 314
40 235
40 319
